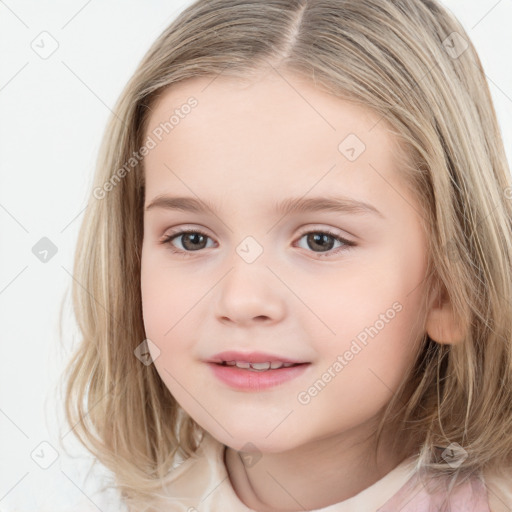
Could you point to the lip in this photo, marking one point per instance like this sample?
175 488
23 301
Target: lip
248 380
251 357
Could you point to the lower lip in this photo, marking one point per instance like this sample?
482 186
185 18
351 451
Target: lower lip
250 380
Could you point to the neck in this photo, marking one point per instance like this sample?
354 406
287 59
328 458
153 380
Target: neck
311 476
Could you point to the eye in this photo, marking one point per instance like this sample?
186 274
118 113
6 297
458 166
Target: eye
321 239
192 240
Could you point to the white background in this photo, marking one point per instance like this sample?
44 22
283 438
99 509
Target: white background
52 116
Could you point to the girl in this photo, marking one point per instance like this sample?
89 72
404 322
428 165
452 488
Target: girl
343 339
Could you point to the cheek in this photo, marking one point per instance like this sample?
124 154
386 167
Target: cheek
170 301
166 294
155 305
361 372
341 304
372 317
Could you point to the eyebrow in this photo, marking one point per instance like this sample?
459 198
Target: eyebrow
286 207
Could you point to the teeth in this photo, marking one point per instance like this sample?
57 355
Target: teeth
260 367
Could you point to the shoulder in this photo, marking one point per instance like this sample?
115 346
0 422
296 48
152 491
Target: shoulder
499 489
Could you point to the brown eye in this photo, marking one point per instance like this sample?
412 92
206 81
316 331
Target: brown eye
191 241
322 242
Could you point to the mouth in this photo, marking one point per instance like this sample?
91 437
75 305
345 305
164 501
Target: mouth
255 371
259 367
255 360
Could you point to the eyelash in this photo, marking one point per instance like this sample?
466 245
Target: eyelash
347 243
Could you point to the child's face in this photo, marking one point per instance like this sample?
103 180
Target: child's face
256 282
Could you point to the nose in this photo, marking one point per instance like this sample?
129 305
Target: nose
250 293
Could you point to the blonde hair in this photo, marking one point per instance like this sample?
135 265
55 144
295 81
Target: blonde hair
412 63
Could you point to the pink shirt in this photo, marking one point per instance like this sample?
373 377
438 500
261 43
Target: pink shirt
202 482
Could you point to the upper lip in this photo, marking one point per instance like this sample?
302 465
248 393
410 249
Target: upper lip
251 357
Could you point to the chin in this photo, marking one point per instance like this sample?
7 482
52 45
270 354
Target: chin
253 440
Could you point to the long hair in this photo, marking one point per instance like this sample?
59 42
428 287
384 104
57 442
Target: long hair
412 63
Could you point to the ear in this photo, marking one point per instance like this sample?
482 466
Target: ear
441 324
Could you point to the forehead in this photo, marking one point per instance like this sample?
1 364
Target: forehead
279 128
283 98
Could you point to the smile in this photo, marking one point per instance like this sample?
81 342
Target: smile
245 376
258 367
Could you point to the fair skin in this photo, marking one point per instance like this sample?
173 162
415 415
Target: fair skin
246 146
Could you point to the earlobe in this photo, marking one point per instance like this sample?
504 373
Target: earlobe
442 325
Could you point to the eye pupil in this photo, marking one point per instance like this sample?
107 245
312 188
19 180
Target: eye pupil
320 240
193 238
